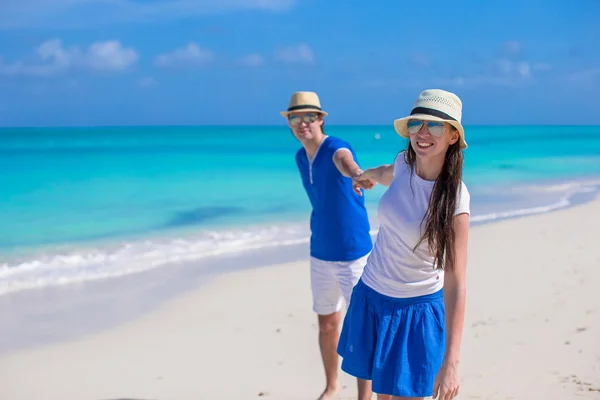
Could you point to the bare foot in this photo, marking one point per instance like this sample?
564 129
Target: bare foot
328 394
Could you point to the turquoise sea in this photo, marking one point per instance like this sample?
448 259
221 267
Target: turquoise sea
80 204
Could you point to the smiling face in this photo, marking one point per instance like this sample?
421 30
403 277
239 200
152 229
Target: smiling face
306 126
431 138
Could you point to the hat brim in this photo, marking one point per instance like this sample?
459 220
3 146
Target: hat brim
315 110
402 129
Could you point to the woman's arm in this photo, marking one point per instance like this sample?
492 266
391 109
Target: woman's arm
455 291
383 174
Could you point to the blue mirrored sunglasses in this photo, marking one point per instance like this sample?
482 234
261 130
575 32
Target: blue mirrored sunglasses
308 118
435 128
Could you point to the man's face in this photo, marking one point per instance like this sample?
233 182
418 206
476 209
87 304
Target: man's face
305 125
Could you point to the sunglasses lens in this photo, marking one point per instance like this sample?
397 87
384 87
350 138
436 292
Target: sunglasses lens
294 120
310 118
414 126
436 128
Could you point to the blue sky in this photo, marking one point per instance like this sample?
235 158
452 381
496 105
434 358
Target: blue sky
193 62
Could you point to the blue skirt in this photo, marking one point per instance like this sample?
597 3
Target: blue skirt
398 343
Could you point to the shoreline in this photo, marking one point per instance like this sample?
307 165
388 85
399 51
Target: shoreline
47 315
529 329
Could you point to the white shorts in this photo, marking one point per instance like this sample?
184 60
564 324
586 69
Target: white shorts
332 283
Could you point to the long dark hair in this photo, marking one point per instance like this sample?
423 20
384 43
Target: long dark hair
439 228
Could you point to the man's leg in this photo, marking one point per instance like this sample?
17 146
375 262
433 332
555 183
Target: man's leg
329 334
327 303
348 275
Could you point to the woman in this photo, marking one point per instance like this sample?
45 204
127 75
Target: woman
404 324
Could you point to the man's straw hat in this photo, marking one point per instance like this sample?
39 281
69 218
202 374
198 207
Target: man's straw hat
304 102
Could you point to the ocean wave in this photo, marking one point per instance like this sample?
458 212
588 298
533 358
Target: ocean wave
87 264
562 203
567 189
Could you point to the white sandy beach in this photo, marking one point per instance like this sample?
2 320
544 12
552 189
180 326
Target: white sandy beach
532 330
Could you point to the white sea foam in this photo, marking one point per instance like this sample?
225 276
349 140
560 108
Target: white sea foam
567 191
137 256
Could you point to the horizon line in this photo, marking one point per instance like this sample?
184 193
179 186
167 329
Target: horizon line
256 126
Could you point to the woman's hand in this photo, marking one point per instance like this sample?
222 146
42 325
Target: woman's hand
446 382
363 179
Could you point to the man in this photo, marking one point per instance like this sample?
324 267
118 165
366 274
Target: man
340 240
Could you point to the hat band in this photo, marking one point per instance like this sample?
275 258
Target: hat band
303 107
432 112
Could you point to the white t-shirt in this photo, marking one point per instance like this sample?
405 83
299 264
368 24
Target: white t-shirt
393 269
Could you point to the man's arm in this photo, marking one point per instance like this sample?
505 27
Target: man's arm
344 161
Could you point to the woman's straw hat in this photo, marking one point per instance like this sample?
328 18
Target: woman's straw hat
303 102
435 105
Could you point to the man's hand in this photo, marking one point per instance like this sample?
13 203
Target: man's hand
362 179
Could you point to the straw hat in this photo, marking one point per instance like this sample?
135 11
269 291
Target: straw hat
304 101
435 105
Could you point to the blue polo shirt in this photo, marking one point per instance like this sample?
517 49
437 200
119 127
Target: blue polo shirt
339 223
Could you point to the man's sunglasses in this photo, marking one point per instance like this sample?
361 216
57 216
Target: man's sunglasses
307 118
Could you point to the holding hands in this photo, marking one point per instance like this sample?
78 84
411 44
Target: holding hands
363 179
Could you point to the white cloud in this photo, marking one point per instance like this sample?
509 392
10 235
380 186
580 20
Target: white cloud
147 81
109 56
585 77
479 80
540 66
388 84
188 56
505 66
523 69
512 69
299 54
52 58
508 67
512 48
420 60
251 60
503 71
495 72
511 74
63 13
